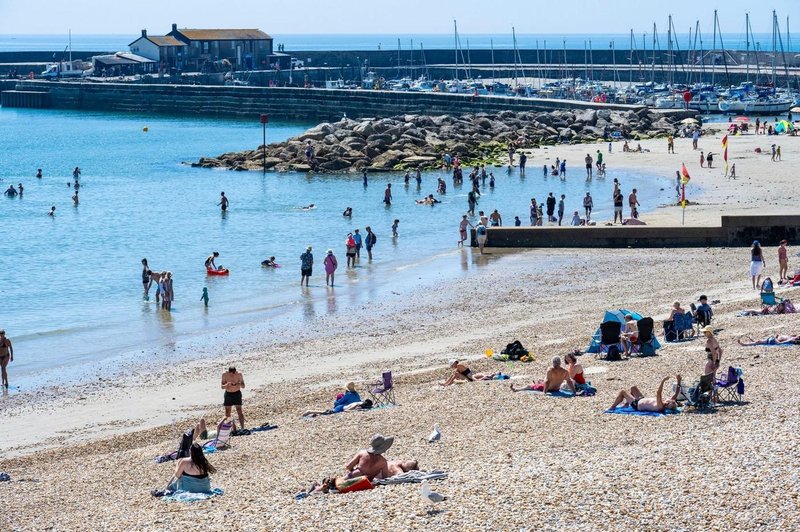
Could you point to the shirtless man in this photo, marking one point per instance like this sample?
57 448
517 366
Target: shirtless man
232 383
6 355
636 400
223 202
556 376
370 461
398 467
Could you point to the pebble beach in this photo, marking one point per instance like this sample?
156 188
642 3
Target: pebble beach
83 457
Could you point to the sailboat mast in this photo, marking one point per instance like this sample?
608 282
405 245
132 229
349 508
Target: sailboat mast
70 48
713 49
514 41
669 50
411 67
747 40
491 43
653 68
630 73
455 46
774 47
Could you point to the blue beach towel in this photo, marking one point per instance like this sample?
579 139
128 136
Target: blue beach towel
559 393
631 412
188 496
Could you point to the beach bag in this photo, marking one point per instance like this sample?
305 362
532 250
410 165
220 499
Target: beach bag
613 353
788 307
648 349
354 484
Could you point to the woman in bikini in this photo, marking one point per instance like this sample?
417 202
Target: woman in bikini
574 369
463 373
6 355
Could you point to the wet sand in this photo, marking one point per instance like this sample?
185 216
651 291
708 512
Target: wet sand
515 460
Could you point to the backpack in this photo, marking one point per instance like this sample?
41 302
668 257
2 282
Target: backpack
613 353
480 230
514 350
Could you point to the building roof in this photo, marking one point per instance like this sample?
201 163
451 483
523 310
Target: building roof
223 35
165 40
122 58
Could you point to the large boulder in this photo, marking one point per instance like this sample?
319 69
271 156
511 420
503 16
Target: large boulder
387 160
588 117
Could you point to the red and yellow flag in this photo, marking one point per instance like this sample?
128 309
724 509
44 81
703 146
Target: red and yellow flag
685 177
725 152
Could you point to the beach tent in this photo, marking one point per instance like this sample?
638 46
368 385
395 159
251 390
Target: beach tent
782 126
616 315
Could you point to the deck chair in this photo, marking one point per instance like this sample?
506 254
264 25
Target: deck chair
684 326
701 319
768 298
183 448
223 437
645 344
701 394
731 388
609 336
383 393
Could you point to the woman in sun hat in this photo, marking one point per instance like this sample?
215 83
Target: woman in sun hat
757 263
330 266
713 349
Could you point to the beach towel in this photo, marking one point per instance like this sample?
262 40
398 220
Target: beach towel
559 393
411 477
631 412
188 496
262 428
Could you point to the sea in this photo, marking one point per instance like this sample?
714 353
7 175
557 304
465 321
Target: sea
353 42
71 287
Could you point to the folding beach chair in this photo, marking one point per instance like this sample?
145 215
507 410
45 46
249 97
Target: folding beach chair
646 343
223 437
768 298
609 336
701 319
701 394
183 448
731 388
684 327
383 393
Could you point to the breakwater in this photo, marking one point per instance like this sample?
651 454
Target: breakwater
284 102
732 231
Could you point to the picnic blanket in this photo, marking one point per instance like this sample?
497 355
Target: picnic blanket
626 410
411 477
188 496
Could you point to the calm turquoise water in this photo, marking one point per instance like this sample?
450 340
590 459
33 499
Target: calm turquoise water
71 287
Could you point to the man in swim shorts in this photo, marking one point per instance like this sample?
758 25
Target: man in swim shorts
232 383
6 355
636 399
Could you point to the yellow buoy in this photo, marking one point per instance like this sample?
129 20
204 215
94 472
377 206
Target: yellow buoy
489 353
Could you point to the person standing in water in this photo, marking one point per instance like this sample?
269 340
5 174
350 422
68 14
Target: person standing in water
6 356
359 243
52 211
366 181
331 264
204 297
232 383
167 293
223 202
306 266
76 173
39 173
146 278
370 241
462 230
387 194
75 200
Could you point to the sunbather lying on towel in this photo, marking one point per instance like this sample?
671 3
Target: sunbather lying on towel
366 404
344 399
556 376
772 340
636 399
463 373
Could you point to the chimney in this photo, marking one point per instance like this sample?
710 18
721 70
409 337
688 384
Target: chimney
174 27
144 33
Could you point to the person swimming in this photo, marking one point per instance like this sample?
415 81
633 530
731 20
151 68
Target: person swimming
309 207
270 263
348 212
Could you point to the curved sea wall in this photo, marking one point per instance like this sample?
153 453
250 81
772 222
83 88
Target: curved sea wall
284 102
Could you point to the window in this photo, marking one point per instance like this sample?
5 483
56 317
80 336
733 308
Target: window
206 46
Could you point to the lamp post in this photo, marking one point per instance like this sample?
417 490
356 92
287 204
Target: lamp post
264 118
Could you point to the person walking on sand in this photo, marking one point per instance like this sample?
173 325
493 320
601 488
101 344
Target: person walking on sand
670 144
617 205
633 203
330 266
695 138
350 252
462 230
481 234
777 158
702 160
306 266
588 204
387 194
757 264
783 260
6 356
233 383
223 202
371 240
710 159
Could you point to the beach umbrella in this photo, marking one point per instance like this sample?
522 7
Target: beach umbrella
741 119
690 121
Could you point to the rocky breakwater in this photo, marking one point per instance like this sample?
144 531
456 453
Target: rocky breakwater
412 141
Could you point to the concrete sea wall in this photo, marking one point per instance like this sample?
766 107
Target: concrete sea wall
282 102
734 231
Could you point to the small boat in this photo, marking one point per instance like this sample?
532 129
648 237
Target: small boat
221 271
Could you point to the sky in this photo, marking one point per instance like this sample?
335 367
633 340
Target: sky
384 16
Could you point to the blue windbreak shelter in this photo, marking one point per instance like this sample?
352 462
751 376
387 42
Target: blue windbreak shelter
616 315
